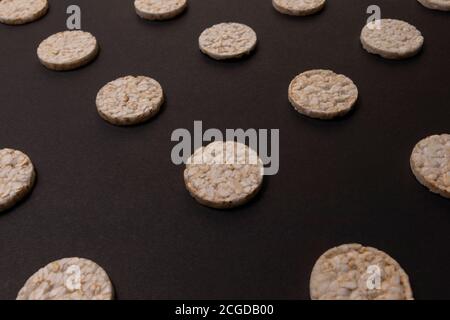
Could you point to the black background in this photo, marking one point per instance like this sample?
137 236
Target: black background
112 195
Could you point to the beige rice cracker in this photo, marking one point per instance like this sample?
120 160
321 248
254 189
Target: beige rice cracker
298 7
322 94
17 177
159 9
68 50
130 100
68 279
391 39
16 12
354 272
443 5
228 41
430 163
224 175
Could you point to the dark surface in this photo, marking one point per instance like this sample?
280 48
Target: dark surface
112 194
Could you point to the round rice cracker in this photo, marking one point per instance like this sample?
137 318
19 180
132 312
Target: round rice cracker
343 273
228 41
68 50
298 7
430 163
16 12
130 100
224 175
443 5
68 279
159 9
392 39
322 94
17 177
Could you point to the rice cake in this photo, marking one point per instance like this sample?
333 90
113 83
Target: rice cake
298 7
17 177
130 100
443 5
159 9
68 279
392 39
224 175
68 50
228 41
344 273
430 163
322 94
15 12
